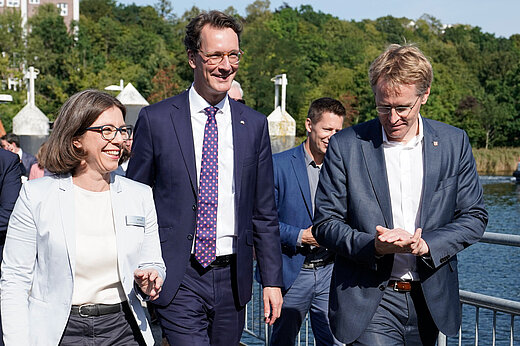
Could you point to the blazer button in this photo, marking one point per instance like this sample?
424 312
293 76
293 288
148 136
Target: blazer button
194 207
190 237
381 287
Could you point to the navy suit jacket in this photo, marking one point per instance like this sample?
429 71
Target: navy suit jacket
10 184
293 200
27 161
353 198
164 158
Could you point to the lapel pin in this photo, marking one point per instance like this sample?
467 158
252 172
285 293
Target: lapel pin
435 143
242 122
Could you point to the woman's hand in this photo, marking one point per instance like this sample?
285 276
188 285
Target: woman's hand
149 282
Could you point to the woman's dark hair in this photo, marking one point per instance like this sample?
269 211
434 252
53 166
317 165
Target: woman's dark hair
59 155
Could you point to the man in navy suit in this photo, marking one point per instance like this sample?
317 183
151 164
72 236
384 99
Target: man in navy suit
10 184
200 140
307 267
398 198
11 142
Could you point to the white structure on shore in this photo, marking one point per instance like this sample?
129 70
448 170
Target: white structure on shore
31 124
282 127
133 102
31 121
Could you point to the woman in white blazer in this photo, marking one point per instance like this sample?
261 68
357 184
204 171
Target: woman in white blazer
82 245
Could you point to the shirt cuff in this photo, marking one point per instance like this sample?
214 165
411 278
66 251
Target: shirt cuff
299 240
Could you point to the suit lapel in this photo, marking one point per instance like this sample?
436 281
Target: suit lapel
117 200
432 147
66 205
300 170
240 132
372 146
181 121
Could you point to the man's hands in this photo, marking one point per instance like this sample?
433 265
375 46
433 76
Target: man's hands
397 240
307 238
272 304
149 282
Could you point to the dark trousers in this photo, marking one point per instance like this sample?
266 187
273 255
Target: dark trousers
119 329
402 318
204 310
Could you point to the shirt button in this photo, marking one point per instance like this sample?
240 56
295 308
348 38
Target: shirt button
381 287
194 207
190 237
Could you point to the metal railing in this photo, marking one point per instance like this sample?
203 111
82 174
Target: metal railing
482 301
257 330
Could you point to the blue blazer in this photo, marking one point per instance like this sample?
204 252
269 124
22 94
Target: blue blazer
353 198
293 200
164 158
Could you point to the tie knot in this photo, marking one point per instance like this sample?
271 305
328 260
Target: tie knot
210 111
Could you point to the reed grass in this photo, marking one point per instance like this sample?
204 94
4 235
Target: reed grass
497 161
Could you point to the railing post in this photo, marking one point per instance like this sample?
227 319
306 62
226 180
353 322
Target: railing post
494 328
476 325
441 340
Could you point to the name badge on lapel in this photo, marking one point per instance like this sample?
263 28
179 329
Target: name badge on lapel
135 220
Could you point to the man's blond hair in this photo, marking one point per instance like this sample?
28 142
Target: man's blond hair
401 65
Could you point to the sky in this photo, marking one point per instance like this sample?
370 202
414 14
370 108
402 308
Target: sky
499 17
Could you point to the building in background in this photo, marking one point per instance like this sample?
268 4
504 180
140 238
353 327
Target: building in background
69 9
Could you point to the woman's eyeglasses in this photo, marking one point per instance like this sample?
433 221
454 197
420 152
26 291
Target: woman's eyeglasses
109 132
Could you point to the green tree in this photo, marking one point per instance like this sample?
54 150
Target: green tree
476 85
97 9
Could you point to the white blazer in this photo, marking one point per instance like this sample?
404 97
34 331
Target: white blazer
38 267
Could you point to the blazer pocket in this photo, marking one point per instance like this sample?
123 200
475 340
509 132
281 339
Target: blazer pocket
134 227
446 182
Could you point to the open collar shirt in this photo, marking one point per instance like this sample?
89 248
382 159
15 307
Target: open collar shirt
404 169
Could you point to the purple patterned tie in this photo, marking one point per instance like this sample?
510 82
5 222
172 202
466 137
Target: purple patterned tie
206 237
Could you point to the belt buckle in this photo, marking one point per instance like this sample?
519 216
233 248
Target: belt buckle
84 306
221 261
309 265
402 286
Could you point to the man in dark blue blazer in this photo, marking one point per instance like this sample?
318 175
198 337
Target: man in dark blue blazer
307 268
203 304
10 184
398 198
11 142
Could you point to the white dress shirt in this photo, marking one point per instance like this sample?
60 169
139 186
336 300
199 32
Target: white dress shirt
404 169
226 184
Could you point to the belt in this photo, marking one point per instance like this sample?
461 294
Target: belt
317 264
91 310
403 286
222 261
219 262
